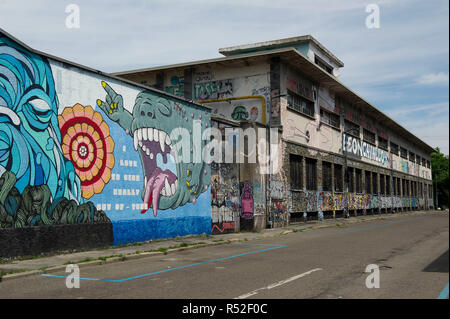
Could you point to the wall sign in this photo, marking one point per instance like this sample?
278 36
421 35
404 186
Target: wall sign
355 147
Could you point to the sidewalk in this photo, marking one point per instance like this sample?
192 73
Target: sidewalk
14 268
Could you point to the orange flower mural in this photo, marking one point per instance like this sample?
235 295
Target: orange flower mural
87 144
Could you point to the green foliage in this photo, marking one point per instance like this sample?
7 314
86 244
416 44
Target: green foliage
440 168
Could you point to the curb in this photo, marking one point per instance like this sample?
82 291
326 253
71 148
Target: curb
134 256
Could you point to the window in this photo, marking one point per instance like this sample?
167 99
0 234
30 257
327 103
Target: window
420 190
394 186
428 164
295 162
388 185
382 184
403 153
323 64
382 143
412 157
368 136
300 104
310 174
330 118
394 148
367 177
404 187
350 180
358 180
398 186
424 162
338 178
418 160
326 176
374 183
351 128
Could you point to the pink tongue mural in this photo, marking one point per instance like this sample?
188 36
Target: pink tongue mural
154 186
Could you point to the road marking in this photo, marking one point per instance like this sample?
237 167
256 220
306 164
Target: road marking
175 268
277 284
444 293
381 225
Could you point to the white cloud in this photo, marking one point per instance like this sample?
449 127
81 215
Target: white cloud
433 79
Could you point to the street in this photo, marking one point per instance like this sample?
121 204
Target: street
410 251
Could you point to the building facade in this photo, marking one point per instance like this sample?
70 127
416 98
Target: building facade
339 155
87 158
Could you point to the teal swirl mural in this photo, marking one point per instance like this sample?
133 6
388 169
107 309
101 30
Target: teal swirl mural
38 186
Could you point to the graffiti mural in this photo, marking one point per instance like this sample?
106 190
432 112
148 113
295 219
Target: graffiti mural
213 90
39 186
150 125
76 147
247 203
225 202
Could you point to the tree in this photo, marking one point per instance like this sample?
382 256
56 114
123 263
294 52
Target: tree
440 168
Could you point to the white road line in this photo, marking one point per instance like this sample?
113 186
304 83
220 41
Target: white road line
277 284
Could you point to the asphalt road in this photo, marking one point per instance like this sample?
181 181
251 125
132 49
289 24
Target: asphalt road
411 253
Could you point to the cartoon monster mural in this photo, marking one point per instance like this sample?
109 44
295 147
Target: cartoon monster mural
150 124
39 185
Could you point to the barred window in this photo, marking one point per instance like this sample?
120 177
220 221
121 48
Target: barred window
382 184
300 104
394 186
330 118
358 180
367 177
382 143
351 128
403 152
338 178
394 148
350 180
295 162
374 183
310 174
368 136
388 185
326 176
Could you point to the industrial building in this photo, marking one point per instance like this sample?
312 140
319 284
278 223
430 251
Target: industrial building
339 154
89 159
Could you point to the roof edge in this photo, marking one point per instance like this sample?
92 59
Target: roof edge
105 74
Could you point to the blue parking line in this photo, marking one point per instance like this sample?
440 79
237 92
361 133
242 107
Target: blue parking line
379 226
175 268
444 293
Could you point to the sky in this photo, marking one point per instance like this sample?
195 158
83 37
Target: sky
402 67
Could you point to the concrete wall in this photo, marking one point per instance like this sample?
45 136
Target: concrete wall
75 148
